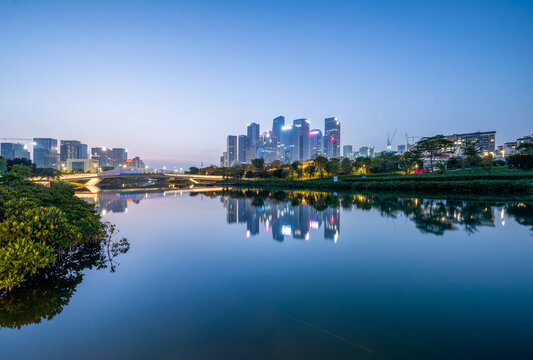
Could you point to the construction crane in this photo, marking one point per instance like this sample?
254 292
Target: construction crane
389 140
17 139
410 145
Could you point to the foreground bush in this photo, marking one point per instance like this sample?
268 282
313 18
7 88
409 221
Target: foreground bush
37 224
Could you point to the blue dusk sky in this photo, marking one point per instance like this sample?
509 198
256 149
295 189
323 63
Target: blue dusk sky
169 80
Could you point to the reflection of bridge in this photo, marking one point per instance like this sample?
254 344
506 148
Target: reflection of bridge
95 178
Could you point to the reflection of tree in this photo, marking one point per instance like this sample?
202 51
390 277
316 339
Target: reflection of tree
430 216
523 213
48 291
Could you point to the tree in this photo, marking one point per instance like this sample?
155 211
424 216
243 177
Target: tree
311 170
20 161
320 163
276 164
295 166
346 166
471 152
3 164
525 148
193 170
433 147
258 164
487 162
362 164
454 162
332 167
22 170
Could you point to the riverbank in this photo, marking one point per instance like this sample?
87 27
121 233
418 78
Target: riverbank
38 225
486 185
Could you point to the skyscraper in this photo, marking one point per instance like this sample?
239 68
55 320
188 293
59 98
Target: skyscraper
347 151
267 149
119 156
69 149
277 124
45 153
232 150
287 147
83 151
332 137
104 156
253 133
301 129
315 143
243 146
12 151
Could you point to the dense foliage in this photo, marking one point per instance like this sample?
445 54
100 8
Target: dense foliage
37 224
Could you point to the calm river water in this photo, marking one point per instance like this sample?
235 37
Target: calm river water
288 275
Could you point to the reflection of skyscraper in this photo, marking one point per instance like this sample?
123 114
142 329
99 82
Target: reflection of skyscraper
332 223
283 219
332 137
232 210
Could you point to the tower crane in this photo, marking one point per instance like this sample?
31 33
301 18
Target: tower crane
389 140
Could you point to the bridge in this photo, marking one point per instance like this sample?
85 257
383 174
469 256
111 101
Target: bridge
92 179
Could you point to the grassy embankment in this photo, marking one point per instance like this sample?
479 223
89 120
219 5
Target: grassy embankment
501 182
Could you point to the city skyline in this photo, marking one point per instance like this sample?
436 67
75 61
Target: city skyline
156 76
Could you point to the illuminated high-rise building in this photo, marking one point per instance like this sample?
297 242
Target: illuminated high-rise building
69 149
277 124
104 157
332 137
267 148
253 133
347 151
315 143
232 150
243 147
301 136
12 151
287 147
119 157
45 153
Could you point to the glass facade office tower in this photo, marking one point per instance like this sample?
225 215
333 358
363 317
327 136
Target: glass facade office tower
268 148
243 146
366 151
253 133
12 151
287 148
83 152
347 151
315 143
301 129
69 149
104 156
45 153
332 138
119 157
232 150
277 124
